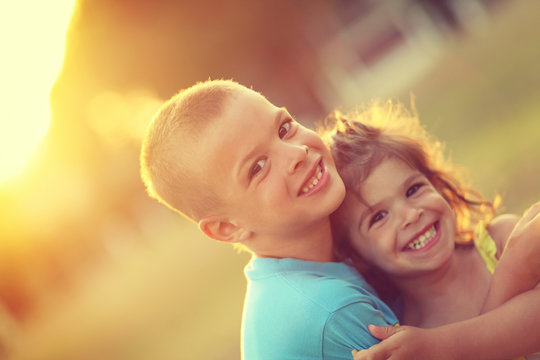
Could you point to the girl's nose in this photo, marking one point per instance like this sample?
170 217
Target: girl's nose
411 215
297 155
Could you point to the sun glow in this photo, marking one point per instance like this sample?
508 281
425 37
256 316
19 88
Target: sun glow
32 36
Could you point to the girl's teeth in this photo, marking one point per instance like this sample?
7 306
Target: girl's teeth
314 181
423 239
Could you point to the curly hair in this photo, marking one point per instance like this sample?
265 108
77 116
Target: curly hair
361 140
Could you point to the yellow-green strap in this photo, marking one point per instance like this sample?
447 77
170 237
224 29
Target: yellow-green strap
486 246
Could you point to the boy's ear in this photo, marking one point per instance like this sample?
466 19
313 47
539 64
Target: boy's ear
223 230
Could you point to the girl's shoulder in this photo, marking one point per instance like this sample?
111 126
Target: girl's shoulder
500 229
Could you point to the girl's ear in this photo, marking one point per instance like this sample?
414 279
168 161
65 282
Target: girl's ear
223 230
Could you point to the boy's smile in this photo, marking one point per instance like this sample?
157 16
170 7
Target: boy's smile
275 176
315 181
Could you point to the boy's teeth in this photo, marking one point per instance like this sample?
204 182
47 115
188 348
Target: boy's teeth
313 181
423 239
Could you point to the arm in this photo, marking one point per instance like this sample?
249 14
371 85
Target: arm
519 266
347 328
513 327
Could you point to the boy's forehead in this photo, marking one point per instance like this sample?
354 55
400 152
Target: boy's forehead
247 115
247 103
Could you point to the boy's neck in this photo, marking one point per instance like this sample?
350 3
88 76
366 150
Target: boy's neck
313 245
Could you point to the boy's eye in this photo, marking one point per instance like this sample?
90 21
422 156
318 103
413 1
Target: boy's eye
284 129
256 168
413 189
377 217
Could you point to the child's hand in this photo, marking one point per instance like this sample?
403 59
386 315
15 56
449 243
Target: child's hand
519 266
521 254
405 343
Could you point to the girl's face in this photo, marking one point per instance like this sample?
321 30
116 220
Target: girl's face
405 227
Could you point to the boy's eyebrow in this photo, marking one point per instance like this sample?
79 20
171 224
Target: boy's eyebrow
275 124
281 112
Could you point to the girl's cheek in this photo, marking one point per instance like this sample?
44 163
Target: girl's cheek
362 245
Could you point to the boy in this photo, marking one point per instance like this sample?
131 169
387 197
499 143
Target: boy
247 173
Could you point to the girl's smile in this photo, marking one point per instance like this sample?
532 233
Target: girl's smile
403 224
426 240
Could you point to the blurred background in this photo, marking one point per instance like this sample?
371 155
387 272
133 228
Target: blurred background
91 268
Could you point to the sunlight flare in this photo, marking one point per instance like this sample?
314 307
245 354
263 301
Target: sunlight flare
32 34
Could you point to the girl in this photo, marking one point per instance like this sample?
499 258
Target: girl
428 244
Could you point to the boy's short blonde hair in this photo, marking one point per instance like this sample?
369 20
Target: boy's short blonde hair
168 153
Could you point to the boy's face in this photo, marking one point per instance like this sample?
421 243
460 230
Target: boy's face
276 177
408 227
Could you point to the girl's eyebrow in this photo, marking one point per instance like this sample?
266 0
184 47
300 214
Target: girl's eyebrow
365 212
363 217
412 178
369 209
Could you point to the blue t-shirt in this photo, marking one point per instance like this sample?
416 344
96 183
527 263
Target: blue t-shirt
297 309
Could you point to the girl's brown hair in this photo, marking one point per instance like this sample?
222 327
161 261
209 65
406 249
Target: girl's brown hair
361 140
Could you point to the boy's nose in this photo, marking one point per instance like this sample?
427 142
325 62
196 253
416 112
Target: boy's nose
411 215
298 155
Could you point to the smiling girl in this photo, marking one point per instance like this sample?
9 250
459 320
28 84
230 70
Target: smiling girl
425 241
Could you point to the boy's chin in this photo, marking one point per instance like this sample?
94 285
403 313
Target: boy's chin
340 193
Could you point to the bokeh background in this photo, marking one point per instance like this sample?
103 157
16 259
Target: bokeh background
91 268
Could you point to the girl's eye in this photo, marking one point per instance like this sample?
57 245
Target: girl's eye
256 168
377 217
413 189
284 129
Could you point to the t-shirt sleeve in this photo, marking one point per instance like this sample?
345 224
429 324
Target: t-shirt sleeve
347 329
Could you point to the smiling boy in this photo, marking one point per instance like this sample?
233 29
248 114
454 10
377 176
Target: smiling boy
247 173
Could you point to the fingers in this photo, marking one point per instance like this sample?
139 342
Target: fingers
382 332
529 223
360 355
532 212
368 354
